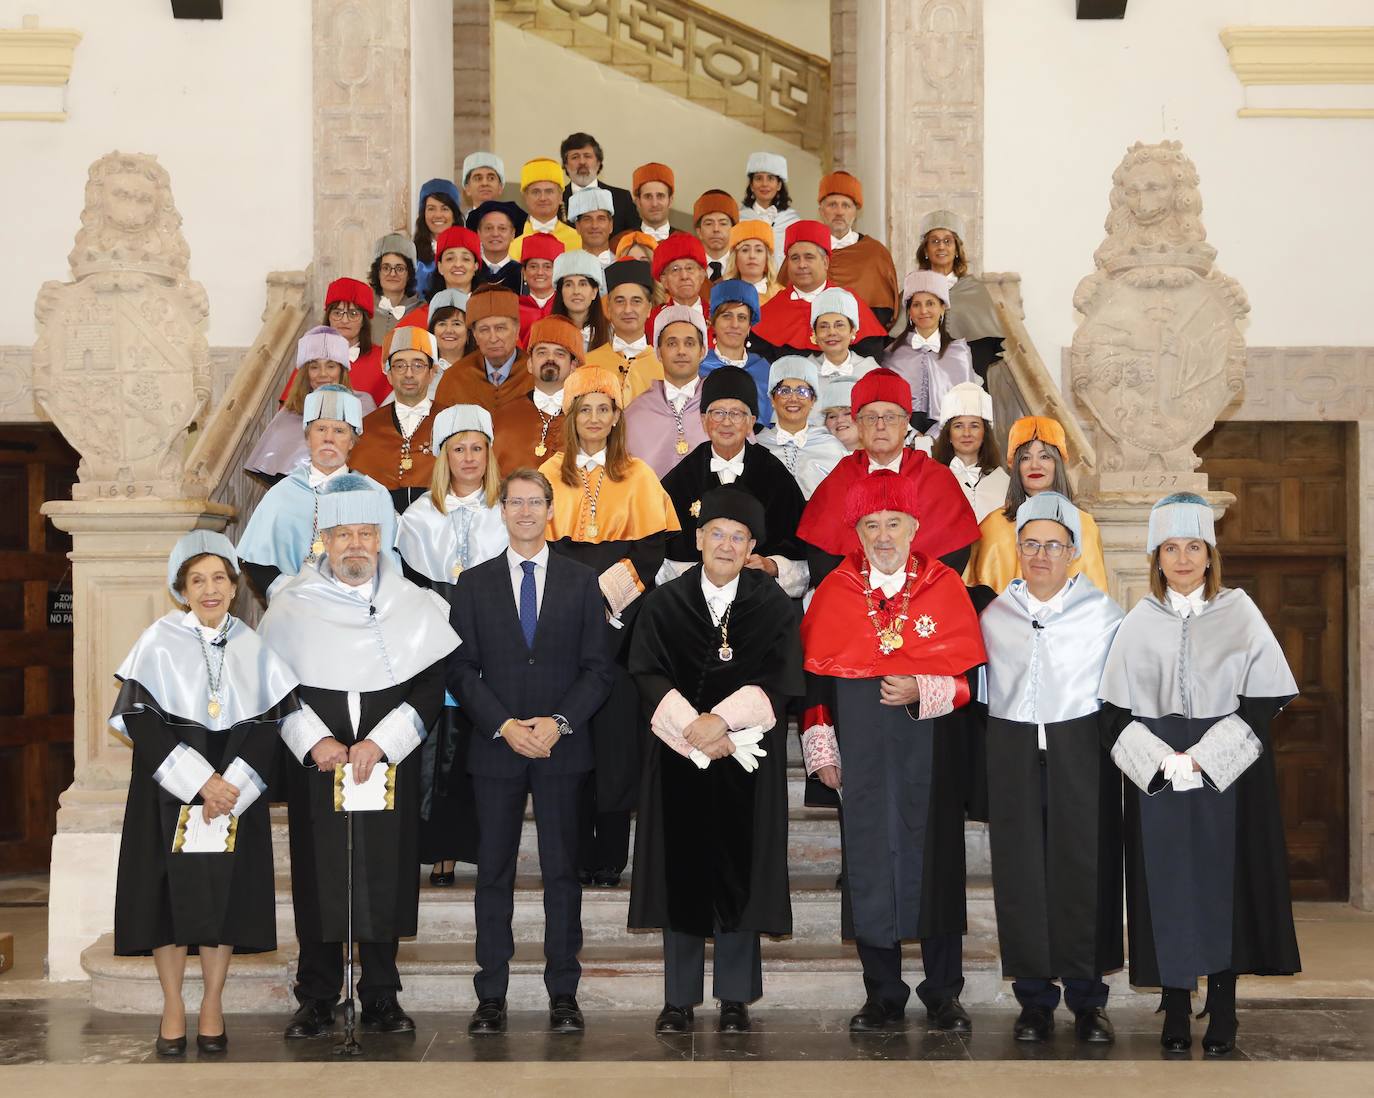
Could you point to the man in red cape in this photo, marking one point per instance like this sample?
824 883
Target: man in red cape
889 641
882 407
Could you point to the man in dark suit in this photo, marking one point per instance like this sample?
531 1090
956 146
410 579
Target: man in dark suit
531 670
582 161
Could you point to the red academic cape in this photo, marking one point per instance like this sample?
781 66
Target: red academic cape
786 322
941 635
364 376
947 522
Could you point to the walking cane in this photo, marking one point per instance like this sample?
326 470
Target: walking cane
350 1046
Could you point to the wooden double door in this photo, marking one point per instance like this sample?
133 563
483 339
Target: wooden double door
1284 542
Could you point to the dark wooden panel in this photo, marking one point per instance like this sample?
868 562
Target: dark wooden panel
1101 9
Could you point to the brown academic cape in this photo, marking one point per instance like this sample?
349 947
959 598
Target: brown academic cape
379 452
520 427
465 382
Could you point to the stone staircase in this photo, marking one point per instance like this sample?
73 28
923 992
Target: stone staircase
812 969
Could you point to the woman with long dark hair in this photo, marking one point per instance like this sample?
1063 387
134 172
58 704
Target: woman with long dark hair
439 209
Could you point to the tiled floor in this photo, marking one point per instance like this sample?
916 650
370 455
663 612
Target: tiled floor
37 1032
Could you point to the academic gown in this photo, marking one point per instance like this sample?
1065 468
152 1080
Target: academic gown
508 276
379 452
636 374
930 375
764 477
865 268
902 777
520 428
985 492
784 328
465 382
711 845
391 652
809 463
277 540
946 519
165 898
365 375
635 516
653 433
383 319
1206 869
994 562
1056 870
281 447
756 366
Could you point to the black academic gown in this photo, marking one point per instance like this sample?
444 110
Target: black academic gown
711 845
386 885
765 478
193 900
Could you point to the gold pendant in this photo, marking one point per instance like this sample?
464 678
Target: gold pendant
213 708
407 464
593 530
890 639
682 446
726 653
540 450
457 571
317 547
695 509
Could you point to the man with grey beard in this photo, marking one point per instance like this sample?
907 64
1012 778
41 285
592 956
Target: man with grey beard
369 648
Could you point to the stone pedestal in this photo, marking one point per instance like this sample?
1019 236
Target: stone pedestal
119 579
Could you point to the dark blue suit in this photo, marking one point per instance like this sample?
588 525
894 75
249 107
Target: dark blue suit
496 676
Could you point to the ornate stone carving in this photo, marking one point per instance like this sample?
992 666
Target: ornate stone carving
121 364
1159 352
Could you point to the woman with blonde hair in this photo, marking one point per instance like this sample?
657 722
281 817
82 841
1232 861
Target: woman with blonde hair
455 525
610 513
752 258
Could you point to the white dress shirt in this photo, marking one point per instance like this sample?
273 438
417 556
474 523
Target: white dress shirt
660 234
629 349
551 404
838 242
543 226
894 466
605 258
1188 605
411 416
363 593
353 353
1040 611
385 306
718 598
728 470
678 396
838 369
809 295
740 362
889 583
319 480
541 302
517 575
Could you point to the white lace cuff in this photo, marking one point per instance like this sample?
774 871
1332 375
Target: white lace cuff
1138 753
794 576
820 748
937 695
1226 750
398 733
747 706
183 772
247 781
301 731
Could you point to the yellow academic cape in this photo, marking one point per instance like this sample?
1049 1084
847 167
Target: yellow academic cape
994 562
636 375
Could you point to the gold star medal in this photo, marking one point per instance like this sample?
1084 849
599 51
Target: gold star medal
540 450
695 509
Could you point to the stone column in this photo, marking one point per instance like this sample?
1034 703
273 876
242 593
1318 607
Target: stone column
934 109
361 92
844 66
472 50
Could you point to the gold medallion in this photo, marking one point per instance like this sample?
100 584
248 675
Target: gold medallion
213 708
540 450
317 546
695 509
456 571
891 639
726 653
682 446
593 530
406 464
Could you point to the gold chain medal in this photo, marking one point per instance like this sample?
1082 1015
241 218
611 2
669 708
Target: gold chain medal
456 570
317 547
540 450
682 446
890 640
213 708
407 463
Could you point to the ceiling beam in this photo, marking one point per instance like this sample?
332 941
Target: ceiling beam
1102 9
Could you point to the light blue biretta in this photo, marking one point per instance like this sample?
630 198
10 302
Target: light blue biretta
197 543
351 498
457 299
838 393
457 418
593 198
1055 508
795 366
334 402
579 262
1181 515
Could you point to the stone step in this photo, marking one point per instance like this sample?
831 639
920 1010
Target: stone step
446 914
438 976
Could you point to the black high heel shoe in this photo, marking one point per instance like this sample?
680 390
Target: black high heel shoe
218 1042
1176 1003
170 1046
442 879
1220 1010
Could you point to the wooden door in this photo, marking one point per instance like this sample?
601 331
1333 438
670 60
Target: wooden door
1284 543
36 465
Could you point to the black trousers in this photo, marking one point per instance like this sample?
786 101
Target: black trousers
942 957
603 837
737 970
500 817
320 971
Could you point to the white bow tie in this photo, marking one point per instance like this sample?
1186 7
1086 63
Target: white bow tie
728 470
844 369
591 461
397 311
543 226
549 404
353 353
787 438
676 394
660 234
889 585
629 350
927 343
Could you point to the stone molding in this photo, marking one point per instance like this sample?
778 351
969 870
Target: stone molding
37 62
844 87
934 109
1313 58
472 94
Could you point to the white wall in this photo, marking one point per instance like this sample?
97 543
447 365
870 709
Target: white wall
431 87
225 107
1285 201
543 93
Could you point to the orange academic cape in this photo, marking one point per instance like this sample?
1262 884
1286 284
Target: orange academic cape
378 450
465 382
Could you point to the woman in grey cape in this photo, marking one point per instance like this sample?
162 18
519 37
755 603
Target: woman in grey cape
1196 679
200 701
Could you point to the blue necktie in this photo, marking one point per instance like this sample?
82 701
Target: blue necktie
529 604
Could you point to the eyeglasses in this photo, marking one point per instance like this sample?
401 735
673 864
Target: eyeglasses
718 537
1052 549
681 268
887 419
537 503
345 312
941 241
720 415
408 367
393 269
803 391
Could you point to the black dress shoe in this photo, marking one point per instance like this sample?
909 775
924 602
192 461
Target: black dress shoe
311 1019
950 1016
584 878
564 1015
606 878
441 880
488 1018
1176 1003
673 1019
877 1017
1220 1038
1093 1025
386 1016
212 1043
734 1017
170 1046
1034 1024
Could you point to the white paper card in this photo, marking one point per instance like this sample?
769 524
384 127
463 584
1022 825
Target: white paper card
202 837
370 796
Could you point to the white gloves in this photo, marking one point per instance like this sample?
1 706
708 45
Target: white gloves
1178 769
747 750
